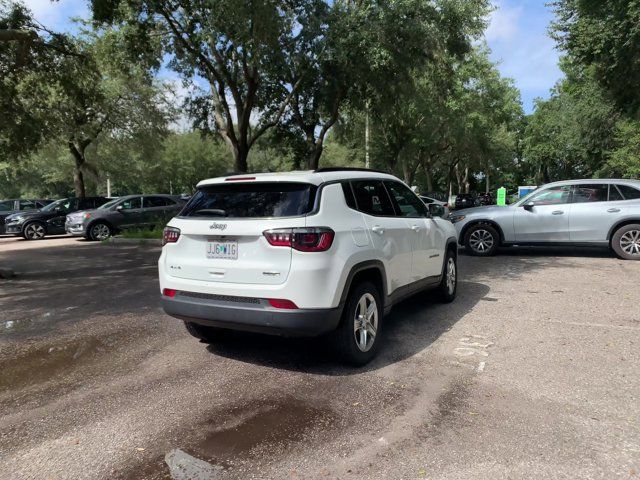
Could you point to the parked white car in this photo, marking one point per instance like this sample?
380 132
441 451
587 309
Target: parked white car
303 254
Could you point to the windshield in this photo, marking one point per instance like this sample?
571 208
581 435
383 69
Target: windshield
252 200
63 203
108 204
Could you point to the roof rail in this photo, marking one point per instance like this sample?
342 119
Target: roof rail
347 169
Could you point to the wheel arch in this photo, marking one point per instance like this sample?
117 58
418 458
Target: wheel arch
100 220
473 223
620 224
370 270
35 220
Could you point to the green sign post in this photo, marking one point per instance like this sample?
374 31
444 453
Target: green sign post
502 197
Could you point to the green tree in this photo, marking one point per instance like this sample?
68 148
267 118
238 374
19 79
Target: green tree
604 34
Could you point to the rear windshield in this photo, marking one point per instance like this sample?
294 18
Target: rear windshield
252 200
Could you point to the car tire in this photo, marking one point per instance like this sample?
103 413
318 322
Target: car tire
99 231
625 242
449 284
206 334
358 336
481 240
34 231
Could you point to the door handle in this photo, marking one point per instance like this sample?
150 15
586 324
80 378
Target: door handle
415 228
557 212
377 229
613 210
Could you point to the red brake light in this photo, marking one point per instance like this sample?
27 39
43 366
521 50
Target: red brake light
169 292
170 235
282 304
314 239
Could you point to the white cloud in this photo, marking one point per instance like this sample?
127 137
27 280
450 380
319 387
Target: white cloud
56 15
503 22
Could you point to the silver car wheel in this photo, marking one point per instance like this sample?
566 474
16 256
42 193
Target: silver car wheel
481 240
365 326
630 242
34 231
100 231
451 276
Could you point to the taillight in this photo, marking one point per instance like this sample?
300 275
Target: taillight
169 292
282 304
313 239
170 235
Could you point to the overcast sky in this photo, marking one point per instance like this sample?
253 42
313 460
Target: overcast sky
517 35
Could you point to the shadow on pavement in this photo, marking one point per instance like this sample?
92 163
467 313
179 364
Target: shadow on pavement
411 327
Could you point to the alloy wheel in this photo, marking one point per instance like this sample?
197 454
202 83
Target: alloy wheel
481 240
34 231
366 322
630 242
451 276
100 231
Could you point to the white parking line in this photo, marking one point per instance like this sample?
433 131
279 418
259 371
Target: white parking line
598 325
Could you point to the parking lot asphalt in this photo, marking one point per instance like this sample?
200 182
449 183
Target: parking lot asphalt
531 373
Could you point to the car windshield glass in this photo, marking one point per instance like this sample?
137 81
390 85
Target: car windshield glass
252 200
62 203
108 204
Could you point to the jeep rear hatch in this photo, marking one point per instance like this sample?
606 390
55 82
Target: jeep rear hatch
222 231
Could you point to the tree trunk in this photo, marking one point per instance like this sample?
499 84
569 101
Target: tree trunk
78 177
459 179
466 180
426 168
313 160
240 154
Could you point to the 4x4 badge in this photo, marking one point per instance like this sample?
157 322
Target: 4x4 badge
218 226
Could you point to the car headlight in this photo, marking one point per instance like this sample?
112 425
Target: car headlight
18 219
456 218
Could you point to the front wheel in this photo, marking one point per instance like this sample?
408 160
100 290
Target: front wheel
626 242
100 231
34 231
358 337
449 283
482 240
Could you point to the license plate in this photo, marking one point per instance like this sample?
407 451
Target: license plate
226 250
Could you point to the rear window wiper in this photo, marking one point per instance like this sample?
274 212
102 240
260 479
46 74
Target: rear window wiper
216 212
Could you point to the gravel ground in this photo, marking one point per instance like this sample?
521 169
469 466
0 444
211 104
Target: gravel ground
531 373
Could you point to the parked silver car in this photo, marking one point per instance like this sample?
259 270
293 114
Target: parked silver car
574 212
129 212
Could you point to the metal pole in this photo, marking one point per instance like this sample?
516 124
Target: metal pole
108 186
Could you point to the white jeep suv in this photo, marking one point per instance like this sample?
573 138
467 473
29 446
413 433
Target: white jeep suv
303 254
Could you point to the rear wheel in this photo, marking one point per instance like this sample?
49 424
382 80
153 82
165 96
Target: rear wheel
99 231
357 339
205 334
481 240
34 231
626 242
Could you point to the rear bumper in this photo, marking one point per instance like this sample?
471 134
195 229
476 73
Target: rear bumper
253 317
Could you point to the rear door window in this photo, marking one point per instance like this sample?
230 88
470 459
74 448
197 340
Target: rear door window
628 192
27 205
6 206
372 198
151 202
252 200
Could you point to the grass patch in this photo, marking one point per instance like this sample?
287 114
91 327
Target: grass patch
144 234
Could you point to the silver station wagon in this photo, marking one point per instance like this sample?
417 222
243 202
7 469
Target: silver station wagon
574 212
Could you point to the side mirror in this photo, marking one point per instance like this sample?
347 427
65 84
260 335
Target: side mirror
119 208
528 206
436 210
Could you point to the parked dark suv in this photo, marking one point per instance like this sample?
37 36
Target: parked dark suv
129 212
49 220
465 200
9 207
